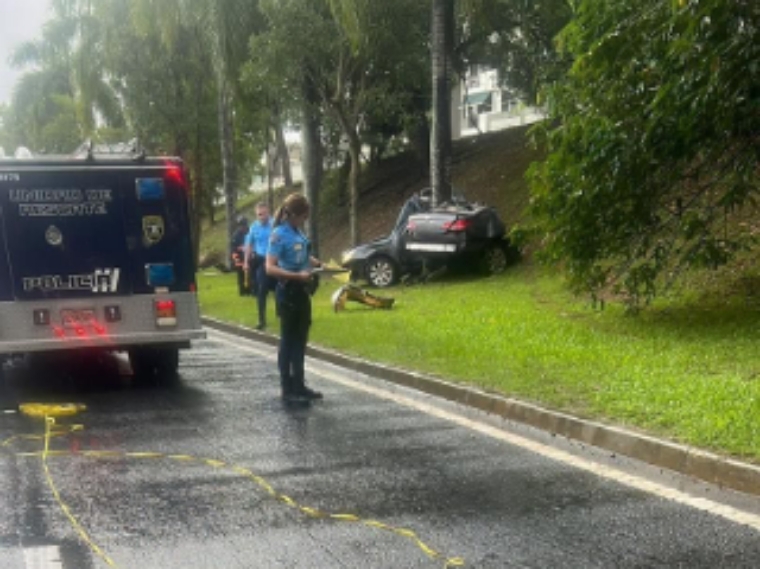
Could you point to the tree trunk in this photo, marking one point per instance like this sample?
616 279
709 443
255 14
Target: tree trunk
270 175
229 169
442 24
195 211
311 156
349 128
419 136
354 149
283 156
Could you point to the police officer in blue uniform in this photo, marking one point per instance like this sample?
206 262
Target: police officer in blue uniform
256 246
290 262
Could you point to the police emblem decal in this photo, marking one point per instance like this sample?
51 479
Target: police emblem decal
53 236
153 229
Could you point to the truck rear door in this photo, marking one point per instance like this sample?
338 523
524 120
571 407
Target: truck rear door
65 234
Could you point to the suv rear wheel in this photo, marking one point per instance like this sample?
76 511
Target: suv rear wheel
381 271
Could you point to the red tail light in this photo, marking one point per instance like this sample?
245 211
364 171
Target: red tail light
166 312
166 308
100 330
457 225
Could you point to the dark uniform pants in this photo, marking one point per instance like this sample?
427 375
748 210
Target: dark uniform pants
294 309
237 259
265 284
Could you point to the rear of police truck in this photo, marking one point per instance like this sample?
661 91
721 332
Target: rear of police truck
97 254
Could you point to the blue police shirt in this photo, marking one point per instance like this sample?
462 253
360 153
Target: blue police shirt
258 236
290 247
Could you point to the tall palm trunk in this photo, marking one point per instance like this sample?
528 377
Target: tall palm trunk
229 169
311 158
354 149
283 156
442 25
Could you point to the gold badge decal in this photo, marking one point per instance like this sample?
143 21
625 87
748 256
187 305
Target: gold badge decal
153 229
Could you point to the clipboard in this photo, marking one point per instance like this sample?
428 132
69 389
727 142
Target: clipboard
329 271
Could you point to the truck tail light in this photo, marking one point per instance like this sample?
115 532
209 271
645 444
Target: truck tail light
457 225
175 174
166 312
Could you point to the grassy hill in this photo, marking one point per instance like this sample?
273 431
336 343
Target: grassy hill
489 169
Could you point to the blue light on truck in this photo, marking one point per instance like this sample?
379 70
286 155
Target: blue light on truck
150 189
161 274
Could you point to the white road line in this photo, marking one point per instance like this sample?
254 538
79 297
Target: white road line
44 557
604 471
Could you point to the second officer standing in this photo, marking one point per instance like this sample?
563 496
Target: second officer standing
256 244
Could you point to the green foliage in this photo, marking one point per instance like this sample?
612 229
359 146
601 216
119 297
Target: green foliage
65 76
370 55
362 59
164 85
37 103
515 36
652 160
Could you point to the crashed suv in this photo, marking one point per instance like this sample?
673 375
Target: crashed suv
427 238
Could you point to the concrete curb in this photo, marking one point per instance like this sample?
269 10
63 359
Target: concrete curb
686 460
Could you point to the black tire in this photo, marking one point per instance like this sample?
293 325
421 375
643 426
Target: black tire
154 366
495 259
381 271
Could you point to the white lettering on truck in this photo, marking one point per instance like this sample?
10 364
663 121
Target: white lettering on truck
100 281
61 202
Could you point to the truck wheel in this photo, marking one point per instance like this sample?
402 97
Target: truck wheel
154 366
381 271
167 362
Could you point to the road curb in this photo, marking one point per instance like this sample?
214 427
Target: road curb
686 460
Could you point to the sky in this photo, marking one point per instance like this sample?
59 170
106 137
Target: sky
20 21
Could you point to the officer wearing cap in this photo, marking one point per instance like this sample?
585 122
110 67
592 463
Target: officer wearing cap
256 245
290 262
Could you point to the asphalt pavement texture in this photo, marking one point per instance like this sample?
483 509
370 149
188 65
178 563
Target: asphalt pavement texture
214 471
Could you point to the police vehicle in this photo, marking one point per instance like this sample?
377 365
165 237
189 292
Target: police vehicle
96 253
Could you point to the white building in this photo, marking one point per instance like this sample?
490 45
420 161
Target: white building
482 103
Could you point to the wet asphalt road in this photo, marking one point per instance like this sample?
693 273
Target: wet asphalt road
462 493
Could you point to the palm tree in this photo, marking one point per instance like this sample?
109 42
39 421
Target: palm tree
227 26
68 71
442 27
